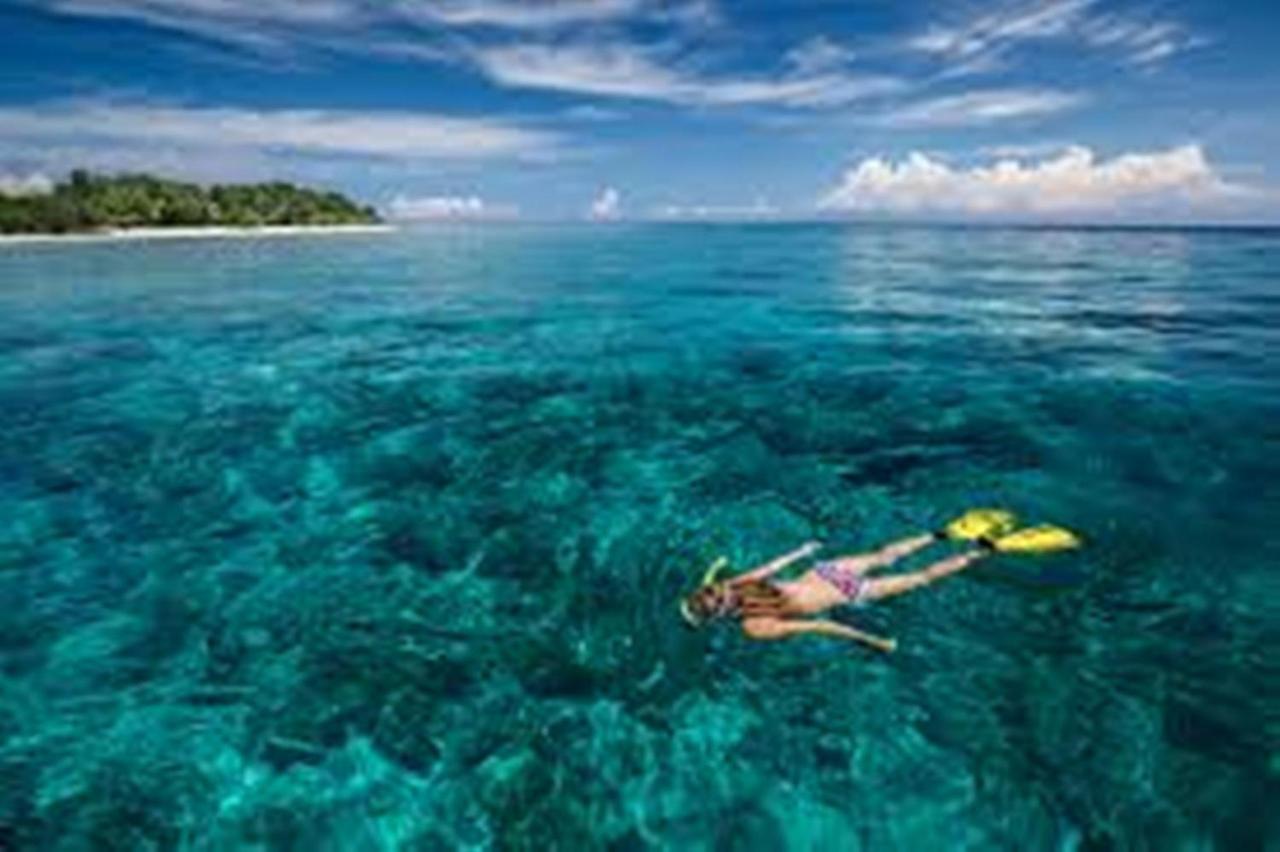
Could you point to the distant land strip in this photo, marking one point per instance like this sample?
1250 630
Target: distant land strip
140 204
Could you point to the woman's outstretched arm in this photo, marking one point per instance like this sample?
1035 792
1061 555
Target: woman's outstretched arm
772 567
781 628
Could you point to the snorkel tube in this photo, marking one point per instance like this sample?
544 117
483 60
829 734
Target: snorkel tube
708 577
713 571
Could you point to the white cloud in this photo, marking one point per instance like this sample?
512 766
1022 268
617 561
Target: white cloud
818 54
981 107
1043 19
312 12
359 24
437 208
606 206
981 43
593 113
1178 182
405 135
627 71
20 186
818 91
612 70
553 14
253 23
1142 43
1022 151
759 209
523 14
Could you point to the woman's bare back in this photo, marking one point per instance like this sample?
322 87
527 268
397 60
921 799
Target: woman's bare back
809 594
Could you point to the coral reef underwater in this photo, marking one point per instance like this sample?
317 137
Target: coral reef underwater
373 543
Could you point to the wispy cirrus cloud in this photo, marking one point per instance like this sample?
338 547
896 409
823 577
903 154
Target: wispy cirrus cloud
979 108
760 209
256 24
1026 150
373 133
622 70
553 14
984 42
819 54
589 48
1142 43
176 12
517 44
521 14
1160 184
267 24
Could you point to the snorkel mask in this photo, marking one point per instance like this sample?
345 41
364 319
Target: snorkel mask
696 619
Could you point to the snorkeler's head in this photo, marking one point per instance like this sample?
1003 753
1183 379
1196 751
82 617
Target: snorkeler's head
709 602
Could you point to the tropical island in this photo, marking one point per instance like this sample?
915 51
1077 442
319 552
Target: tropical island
93 203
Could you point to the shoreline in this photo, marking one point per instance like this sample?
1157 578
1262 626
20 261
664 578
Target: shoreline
193 233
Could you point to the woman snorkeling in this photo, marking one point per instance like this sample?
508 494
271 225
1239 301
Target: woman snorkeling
775 609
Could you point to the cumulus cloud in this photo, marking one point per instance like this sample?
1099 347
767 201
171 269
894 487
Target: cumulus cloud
626 71
436 208
606 206
981 107
21 186
1164 184
326 132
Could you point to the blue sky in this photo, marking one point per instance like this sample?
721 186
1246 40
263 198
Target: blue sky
1079 110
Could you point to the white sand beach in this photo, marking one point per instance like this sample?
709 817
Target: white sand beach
195 233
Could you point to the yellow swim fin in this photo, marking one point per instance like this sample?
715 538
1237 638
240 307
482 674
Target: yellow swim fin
1040 539
978 524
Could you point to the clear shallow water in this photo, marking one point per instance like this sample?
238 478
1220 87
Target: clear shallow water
372 542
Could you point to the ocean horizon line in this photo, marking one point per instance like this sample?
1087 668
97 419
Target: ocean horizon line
126 235
425 224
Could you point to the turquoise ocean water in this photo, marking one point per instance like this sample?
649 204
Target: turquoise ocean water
373 542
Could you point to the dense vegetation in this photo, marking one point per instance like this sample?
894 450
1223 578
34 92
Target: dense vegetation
87 202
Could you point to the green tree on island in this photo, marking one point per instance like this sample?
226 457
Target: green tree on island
88 202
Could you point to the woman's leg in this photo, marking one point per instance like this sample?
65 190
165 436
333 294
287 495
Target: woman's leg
865 563
887 587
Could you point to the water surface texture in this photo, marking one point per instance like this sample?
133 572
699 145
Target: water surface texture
373 542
